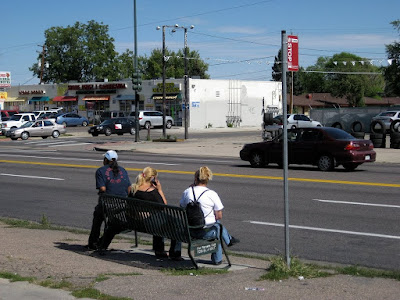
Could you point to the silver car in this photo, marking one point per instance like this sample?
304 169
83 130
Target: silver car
387 117
43 128
150 118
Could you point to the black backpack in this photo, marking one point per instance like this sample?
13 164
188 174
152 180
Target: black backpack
195 213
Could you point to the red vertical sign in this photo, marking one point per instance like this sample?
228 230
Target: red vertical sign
293 53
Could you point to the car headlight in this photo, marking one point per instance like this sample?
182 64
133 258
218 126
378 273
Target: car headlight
100 127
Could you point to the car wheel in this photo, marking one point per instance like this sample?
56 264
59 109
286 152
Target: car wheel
325 163
378 129
132 131
44 137
55 134
350 166
169 124
84 123
147 125
107 131
256 160
24 135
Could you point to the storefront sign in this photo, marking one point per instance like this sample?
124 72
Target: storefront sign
37 92
170 88
5 79
95 86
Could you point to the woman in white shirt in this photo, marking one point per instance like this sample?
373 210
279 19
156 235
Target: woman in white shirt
211 206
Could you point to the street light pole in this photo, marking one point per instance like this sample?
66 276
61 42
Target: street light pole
135 66
186 89
163 81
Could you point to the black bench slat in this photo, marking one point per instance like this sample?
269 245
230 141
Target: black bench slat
156 219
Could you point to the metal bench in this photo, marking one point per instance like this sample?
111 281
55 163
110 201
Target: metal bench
156 219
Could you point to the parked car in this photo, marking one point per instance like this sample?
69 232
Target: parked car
105 115
16 121
40 113
52 116
387 117
151 118
110 126
297 121
72 119
6 114
43 128
325 147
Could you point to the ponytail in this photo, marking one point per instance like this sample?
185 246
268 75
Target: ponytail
203 175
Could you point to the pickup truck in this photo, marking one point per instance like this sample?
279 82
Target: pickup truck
16 121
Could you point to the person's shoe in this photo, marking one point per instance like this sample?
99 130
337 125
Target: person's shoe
233 241
91 247
161 255
218 263
176 258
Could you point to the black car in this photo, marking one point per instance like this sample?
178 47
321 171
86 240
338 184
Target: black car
325 147
117 125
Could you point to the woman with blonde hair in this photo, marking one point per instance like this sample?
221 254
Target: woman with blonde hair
148 188
211 206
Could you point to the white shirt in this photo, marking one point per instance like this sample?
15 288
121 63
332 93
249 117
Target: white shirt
209 202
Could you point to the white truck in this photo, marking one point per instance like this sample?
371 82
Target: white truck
16 121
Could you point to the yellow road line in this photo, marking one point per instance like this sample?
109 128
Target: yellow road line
216 174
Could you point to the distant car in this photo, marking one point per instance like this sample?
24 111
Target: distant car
72 119
6 114
52 116
387 117
105 115
110 126
297 121
16 121
151 118
40 113
325 147
43 128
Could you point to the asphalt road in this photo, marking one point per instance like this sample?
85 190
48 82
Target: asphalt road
330 221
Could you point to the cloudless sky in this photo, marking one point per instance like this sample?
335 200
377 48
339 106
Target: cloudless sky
238 39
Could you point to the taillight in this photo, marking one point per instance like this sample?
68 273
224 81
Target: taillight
371 146
352 146
140 118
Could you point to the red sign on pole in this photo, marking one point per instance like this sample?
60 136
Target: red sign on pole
293 53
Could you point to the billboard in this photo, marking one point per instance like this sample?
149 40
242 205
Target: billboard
5 79
293 53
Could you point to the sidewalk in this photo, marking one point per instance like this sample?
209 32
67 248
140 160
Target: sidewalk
59 255
135 273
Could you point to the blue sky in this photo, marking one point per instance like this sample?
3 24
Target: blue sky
238 39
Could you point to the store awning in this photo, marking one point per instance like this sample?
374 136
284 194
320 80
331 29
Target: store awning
39 99
65 98
125 98
15 99
96 98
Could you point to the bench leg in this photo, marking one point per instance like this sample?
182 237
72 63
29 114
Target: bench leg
191 256
223 245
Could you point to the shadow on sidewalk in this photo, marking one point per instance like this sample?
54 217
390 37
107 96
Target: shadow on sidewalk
138 258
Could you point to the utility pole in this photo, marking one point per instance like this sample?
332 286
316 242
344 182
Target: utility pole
163 83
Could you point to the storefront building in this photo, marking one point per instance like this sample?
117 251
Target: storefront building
212 103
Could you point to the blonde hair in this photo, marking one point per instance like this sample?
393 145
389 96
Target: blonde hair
203 175
143 177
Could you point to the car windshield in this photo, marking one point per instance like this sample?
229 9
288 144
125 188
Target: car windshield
27 124
338 134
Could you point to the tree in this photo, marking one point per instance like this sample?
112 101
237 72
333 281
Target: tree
82 52
392 72
152 67
353 86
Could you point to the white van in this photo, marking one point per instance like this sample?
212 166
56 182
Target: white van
40 113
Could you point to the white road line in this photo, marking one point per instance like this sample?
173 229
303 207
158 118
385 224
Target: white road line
357 203
29 176
328 230
87 159
76 144
42 143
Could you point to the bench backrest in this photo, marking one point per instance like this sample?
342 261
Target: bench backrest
147 217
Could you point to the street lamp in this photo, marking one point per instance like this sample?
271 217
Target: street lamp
176 26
